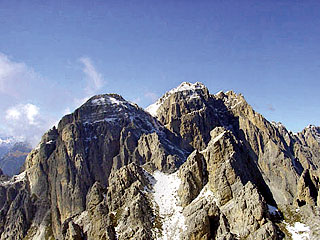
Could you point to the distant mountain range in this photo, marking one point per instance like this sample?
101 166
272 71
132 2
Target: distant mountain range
13 153
193 165
5 144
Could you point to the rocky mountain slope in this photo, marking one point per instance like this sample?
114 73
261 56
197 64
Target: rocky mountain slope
194 165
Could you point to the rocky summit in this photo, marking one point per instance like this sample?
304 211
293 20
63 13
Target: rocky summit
193 165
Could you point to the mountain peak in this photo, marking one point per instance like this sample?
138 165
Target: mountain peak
10 140
313 131
107 99
187 86
191 89
208 166
311 126
104 107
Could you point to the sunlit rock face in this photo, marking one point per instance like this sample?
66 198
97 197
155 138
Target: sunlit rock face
193 165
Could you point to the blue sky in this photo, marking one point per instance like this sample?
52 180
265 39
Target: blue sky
55 54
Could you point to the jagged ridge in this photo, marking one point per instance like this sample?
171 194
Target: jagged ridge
92 177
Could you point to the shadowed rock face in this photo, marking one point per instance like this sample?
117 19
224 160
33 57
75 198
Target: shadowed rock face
91 177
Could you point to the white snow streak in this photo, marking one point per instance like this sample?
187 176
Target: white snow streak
15 179
153 108
50 142
299 231
40 234
170 211
99 101
238 103
186 86
82 220
205 193
114 101
104 100
218 137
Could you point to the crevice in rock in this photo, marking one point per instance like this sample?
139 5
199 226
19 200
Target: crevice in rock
310 184
214 225
301 202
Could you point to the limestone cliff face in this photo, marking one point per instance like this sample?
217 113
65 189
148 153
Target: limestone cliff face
278 156
100 137
95 175
244 147
17 208
188 111
239 208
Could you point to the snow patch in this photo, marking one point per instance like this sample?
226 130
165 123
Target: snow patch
166 197
38 146
205 193
106 99
299 231
186 86
238 103
83 220
40 234
15 179
50 142
218 137
213 141
194 96
114 101
315 132
153 108
98 101
278 124
107 119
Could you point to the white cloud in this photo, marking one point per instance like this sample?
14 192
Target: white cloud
27 112
32 111
14 76
25 121
13 114
94 78
20 85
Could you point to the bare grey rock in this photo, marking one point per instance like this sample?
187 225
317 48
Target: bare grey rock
129 205
194 176
248 215
87 179
306 190
17 209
